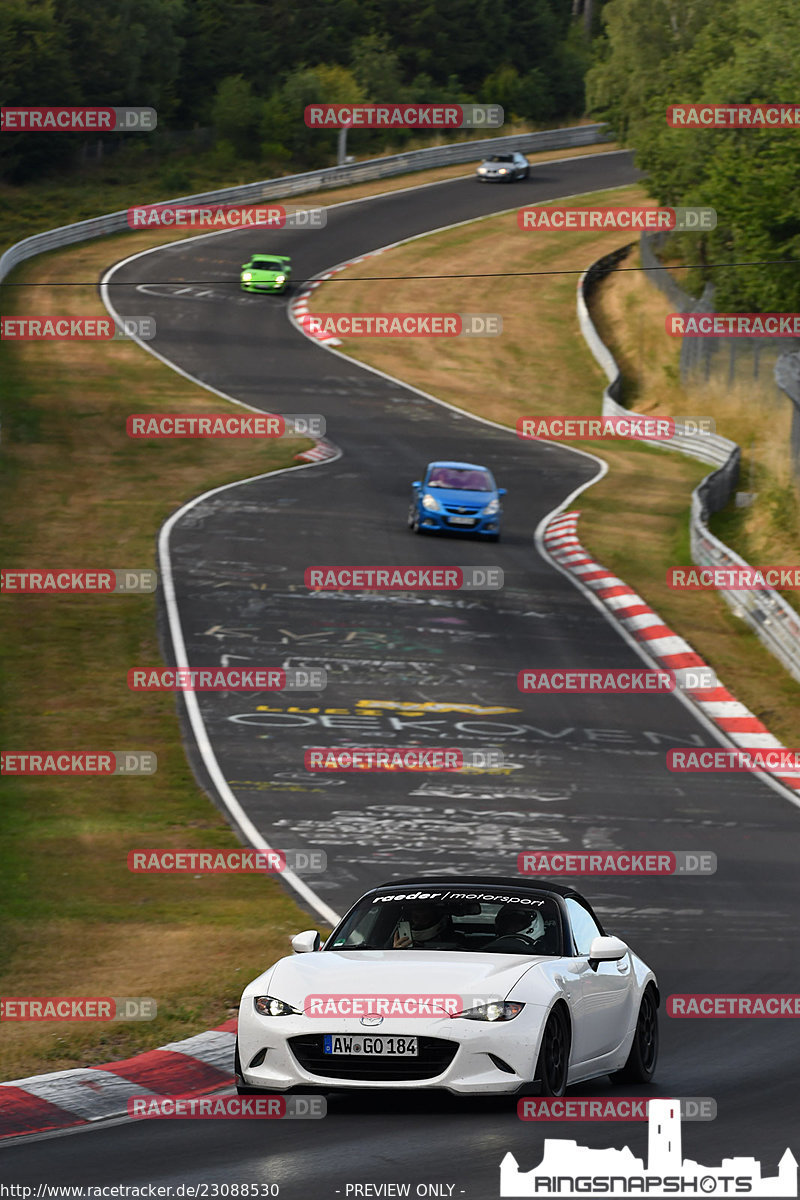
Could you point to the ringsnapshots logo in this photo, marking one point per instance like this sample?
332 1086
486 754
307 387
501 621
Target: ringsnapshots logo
403 116
224 425
225 216
240 861
733 116
26 119
735 578
78 1008
402 579
78 762
402 325
49 328
63 582
226 679
227 1108
568 1169
352 759
617 862
632 217
733 325
616 681
610 1108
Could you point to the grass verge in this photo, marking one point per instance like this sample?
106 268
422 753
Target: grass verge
76 491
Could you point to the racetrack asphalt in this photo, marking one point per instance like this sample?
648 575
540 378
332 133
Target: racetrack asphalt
589 771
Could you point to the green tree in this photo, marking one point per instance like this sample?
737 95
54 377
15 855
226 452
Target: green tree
237 115
35 69
661 52
283 124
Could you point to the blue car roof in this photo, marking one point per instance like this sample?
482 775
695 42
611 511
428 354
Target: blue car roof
445 462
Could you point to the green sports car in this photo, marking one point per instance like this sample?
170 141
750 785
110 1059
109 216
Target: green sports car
266 273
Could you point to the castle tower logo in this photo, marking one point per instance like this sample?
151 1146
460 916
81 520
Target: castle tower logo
568 1169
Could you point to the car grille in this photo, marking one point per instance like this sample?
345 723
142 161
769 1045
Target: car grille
435 1056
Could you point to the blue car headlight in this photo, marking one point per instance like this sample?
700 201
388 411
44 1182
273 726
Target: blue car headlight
270 1006
492 507
430 503
502 1010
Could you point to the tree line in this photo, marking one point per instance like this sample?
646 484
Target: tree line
247 68
654 53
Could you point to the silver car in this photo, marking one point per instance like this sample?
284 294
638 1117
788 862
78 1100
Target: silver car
502 168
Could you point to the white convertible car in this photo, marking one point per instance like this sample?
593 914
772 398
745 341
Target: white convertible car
478 985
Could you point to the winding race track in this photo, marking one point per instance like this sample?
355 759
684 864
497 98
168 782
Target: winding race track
438 669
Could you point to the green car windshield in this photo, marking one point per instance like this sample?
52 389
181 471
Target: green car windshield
267 264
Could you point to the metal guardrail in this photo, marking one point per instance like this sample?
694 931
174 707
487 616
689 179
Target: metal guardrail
708 448
311 181
766 612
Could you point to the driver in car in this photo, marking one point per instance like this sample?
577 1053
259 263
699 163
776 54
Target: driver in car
516 930
431 928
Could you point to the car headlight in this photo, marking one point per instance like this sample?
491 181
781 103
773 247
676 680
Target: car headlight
482 170
270 1006
503 171
430 502
492 507
280 278
503 1010
246 276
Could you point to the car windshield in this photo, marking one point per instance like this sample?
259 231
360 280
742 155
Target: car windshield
484 923
501 158
267 264
461 478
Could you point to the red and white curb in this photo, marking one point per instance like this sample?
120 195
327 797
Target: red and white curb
65 1099
718 705
299 307
318 452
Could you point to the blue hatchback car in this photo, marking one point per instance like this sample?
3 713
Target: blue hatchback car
456 497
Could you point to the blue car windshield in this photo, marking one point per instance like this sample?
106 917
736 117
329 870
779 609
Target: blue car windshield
460 479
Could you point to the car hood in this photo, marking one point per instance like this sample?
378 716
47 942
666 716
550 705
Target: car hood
268 273
393 973
459 497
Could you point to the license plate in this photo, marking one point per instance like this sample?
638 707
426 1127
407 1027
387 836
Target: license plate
387 1045
462 520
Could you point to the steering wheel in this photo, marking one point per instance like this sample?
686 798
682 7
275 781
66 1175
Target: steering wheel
512 943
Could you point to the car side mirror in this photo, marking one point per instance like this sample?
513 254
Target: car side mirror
417 483
501 492
606 949
247 264
306 942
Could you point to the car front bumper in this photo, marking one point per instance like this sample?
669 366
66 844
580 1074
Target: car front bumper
489 1058
255 285
438 522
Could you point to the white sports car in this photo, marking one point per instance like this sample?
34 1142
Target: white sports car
483 985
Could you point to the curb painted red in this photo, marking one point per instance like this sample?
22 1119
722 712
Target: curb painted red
67 1099
643 623
299 307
